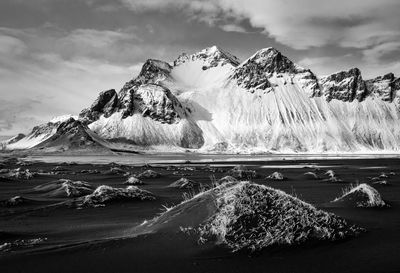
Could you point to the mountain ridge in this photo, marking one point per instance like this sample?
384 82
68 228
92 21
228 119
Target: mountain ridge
211 102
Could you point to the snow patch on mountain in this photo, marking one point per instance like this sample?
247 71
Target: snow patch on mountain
144 131
208 68
212 56
63 118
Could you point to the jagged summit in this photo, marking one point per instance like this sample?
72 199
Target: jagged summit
105 104
270 60
212 56
258 71
384 87
344 85
153 71
152 100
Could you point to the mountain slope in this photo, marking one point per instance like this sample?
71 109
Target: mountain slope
38 134
72 135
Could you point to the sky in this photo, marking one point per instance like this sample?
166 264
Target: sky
57 55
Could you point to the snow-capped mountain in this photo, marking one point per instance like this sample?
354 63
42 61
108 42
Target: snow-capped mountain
60 134
212 102
38 134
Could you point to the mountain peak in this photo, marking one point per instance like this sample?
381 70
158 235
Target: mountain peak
383 87
71 134
211 56
153 71
271 60
105 104
344 85
267 50
59 119
215 51
212 49
258 70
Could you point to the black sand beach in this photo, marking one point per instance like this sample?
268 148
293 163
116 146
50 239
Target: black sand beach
46 232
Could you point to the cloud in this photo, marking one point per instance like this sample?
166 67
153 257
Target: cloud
41 79
16 112
377 53
54 87
298 24
10 45
232 28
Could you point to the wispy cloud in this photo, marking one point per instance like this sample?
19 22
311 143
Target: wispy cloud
298 24
233 28
16 112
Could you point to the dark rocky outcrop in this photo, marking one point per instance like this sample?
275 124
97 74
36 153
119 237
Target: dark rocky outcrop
345 86
154 101
383 87
105 104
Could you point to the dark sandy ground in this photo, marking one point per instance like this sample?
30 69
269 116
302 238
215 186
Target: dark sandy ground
97 239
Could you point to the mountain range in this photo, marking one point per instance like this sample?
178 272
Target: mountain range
212 102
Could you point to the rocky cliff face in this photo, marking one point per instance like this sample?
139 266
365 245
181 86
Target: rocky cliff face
345 86
150 100
141 95
258 72
105 104
384 87
154 101
153 71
